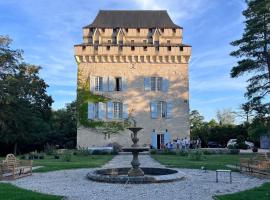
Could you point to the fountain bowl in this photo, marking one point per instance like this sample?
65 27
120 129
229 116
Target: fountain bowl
151 175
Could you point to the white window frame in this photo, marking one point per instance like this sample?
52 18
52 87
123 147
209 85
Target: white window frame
156 83
117 110
98 83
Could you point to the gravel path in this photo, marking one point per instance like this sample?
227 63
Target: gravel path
197 186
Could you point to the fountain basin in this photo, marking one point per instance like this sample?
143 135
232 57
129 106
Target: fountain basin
151 175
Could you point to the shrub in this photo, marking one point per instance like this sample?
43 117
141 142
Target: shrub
56 156
99 152
49 149
196 155
66 157
41 156
183 153
168 152
234 151
23 157
153 151
206 152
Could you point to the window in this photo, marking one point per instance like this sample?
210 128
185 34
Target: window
156 83
103 30
162 109
145 48
150 30
83 48
118 84
91 30
169 48
144 41
132 48
117 110
181 48
108 48
98 83
174 30
138 30
126 29
114 30
96 110
162 30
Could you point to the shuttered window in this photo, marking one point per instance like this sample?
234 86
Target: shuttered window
117 110
161 109
98 83
157 84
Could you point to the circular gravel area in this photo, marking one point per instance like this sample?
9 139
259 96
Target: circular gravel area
74 184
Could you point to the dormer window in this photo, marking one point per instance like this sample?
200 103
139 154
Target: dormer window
108 48
145 48
91 30
150 30
181 48
169 48
138 30
83 48
132 48
174 30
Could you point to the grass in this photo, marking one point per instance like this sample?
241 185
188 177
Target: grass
51 164
10 192
211 162
261 193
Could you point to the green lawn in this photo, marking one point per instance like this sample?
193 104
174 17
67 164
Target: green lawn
260 193
51 164
10 192
211 162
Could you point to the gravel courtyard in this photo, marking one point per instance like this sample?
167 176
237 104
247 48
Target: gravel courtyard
73 184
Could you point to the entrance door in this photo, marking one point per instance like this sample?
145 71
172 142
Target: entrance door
160 141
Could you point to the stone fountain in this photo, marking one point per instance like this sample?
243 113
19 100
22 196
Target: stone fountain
135 150
135 174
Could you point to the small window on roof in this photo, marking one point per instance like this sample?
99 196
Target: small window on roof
181 48
83 48
174 30
138 30
132 48
169 48
145 48
108 48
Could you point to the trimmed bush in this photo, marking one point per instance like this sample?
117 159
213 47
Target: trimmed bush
196 155
66 157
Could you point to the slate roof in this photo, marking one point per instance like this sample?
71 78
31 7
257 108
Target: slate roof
132 19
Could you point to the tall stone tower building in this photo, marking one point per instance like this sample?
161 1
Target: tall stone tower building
132 64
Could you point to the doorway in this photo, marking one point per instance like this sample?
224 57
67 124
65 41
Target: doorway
160 141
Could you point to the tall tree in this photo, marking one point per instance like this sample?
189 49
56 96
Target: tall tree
196 119
25 106
254 52
225 117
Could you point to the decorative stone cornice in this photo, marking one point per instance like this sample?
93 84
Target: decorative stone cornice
162 59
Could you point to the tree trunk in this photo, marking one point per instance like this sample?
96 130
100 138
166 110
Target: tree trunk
15 148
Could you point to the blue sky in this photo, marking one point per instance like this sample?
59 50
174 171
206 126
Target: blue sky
47 30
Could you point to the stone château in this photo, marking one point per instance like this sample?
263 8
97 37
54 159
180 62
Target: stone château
137 61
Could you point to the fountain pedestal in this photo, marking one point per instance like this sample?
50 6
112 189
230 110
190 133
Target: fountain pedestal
135 149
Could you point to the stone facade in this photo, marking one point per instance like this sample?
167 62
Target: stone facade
135 54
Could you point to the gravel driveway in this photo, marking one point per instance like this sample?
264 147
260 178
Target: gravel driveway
75 186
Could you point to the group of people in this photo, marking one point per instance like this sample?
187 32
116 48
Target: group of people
183 144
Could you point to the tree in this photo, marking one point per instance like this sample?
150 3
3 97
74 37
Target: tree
196 119
254 52
25 106
225 117
64 127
